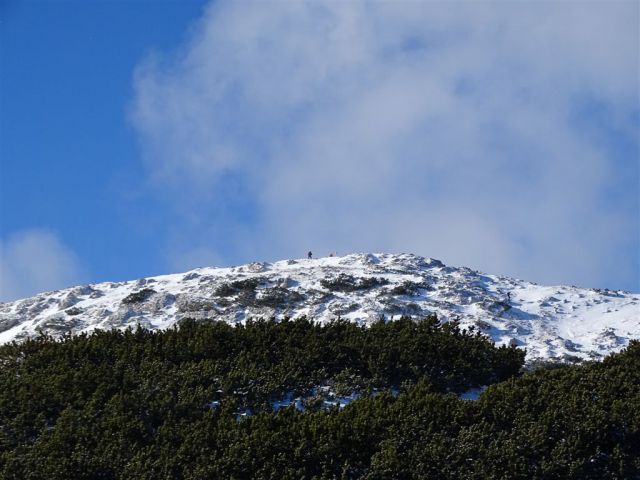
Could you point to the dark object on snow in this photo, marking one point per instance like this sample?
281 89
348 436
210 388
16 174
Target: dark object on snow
139 296
349 283
309 255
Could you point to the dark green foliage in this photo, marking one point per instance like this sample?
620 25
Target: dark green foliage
135 404
195 305
277 297
248 294
349 283
139 296
408 288
239 286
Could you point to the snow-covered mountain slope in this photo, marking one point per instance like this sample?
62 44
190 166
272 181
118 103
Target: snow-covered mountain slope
557 322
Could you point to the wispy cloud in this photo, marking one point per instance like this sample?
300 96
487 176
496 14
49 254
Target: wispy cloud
456 130
34 261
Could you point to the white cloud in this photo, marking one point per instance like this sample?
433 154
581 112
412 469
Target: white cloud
35 261
449 129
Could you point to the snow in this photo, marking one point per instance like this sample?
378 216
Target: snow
551 322
329 399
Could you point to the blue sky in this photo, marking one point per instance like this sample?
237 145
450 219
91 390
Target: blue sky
70 163
139 137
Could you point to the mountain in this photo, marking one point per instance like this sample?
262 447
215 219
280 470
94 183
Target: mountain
552 322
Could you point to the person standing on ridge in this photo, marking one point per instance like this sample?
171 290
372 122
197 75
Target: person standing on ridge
309 255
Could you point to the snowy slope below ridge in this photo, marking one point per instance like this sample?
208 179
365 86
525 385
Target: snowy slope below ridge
551 322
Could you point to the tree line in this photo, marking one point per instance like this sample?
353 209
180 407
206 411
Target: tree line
164 404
